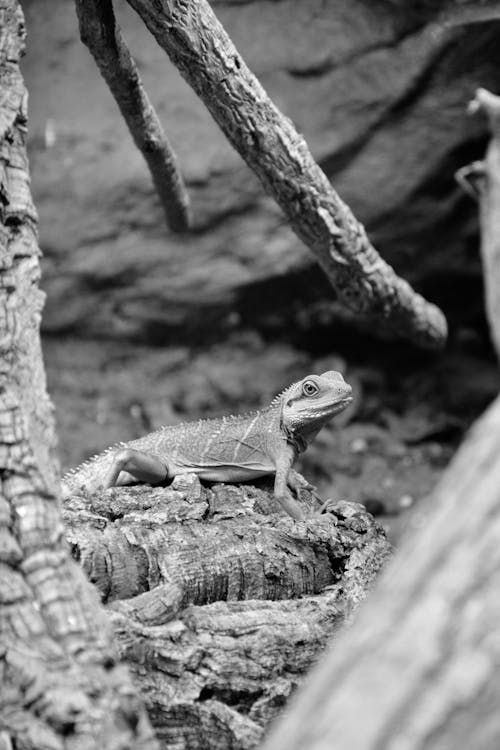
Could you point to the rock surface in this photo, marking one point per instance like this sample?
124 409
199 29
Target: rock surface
379 93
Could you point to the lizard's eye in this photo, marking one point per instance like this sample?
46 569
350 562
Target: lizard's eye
309 388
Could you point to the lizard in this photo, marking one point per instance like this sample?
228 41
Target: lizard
225 449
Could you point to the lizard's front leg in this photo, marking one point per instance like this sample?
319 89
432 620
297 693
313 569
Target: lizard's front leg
281 481
142 466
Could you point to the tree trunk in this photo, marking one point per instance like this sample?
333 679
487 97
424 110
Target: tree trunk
419 668
61 686
220 604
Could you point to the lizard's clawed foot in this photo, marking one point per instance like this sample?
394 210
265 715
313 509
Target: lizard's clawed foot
324 507
297 482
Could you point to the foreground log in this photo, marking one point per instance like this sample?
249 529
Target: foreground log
60 683
219 603
197 44
419 668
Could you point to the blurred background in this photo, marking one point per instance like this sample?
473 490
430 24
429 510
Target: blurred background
143 327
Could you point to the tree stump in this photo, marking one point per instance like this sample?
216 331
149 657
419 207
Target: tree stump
219 602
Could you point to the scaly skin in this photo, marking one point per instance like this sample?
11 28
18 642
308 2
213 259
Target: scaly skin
230 449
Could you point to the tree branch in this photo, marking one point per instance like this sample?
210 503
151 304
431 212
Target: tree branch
198 45
100 32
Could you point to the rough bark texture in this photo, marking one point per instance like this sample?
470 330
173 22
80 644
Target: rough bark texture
420 665
198 45
375 87
61 686
102 36
219 603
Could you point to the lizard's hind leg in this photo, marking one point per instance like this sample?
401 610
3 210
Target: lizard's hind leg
142 466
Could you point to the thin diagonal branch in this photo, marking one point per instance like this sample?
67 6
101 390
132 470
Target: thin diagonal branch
99 31
198 45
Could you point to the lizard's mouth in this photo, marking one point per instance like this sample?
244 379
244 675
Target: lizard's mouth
334 408
341 405
344 401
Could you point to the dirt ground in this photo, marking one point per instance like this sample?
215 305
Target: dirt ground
386 451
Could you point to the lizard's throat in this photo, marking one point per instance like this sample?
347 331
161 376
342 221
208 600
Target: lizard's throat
300 439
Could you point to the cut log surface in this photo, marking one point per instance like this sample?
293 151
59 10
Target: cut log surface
220 604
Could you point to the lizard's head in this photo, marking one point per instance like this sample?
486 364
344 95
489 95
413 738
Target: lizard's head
309 404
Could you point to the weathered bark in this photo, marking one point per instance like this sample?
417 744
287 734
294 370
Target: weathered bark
130 540
220 604
61 686
102 36
419 668
196 42
217 675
